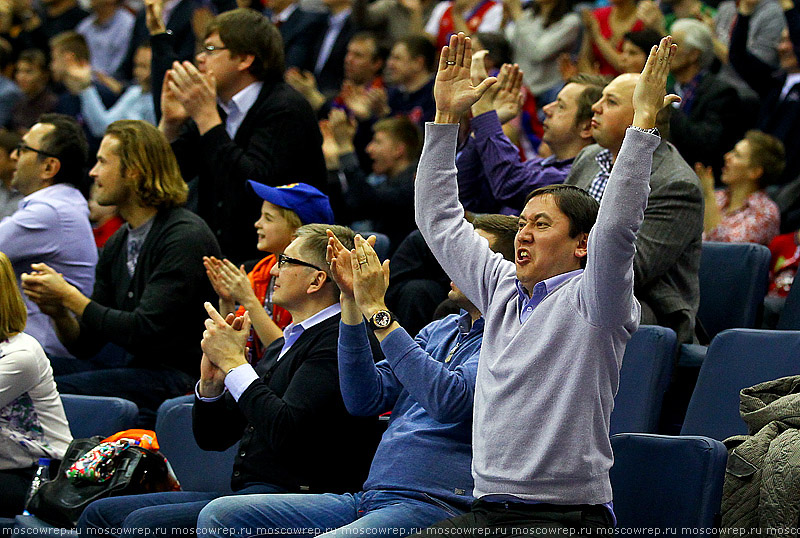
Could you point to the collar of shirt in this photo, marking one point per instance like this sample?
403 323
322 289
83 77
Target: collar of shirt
53 191
239 105
605 161
338 19
284 15
293 331
466 325
792 79
540 291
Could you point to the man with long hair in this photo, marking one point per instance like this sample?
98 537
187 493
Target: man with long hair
150 283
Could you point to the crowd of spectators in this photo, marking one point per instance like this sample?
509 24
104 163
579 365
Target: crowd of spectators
141 142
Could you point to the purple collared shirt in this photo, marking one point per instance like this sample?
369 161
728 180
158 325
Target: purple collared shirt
491 176
51 226
540 290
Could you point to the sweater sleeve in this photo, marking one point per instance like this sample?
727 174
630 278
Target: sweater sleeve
750 67
510 179
368 389
18 375
462 253
606 293
445 394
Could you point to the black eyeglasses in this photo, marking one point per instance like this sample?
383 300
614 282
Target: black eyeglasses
25 147
210 49
283 260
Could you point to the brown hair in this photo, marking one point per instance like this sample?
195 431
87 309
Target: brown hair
289 216
13 314
402 130
315 244
592 91
503 228
768 153
143 150
73 42
247 32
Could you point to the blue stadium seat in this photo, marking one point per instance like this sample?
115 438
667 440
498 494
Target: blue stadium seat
737 359
643 380
790 316
661 482
176 441
733 283
98 415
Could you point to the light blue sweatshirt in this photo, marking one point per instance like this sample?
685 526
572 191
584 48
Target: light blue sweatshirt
545 387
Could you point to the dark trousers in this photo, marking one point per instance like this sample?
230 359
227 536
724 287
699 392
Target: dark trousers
492 519
14 485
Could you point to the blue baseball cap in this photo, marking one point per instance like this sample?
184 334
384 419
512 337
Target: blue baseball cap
310 204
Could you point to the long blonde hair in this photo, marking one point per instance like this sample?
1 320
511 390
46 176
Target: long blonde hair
13 314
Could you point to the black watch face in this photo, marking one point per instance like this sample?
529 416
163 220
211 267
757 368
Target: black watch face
382 319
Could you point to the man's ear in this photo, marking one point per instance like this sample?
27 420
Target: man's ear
580 248
585 130
50 168
246 61
319 281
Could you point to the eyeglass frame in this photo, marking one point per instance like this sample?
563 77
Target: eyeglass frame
22 146
210 49
284 259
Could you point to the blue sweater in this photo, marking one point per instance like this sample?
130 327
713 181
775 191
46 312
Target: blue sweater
426 447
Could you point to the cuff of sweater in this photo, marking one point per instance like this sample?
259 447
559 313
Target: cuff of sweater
486 125
213 138
440 143
93 314
348 161
353 338
396 346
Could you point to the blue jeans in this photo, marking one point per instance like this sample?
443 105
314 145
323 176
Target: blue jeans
404 512
171 512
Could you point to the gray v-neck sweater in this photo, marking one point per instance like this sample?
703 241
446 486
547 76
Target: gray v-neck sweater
545 388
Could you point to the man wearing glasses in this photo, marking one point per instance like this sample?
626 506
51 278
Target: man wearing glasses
52 222
232 118
287 413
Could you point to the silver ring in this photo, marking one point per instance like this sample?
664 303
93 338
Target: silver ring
451 63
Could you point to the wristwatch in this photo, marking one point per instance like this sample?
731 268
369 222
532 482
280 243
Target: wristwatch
380 320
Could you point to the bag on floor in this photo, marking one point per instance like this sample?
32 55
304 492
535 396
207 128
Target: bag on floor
96 468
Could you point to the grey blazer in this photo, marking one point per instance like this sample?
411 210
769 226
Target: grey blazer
669 241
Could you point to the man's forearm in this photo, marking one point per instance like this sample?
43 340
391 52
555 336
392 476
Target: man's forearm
67 328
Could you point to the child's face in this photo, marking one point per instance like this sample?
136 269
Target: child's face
274 233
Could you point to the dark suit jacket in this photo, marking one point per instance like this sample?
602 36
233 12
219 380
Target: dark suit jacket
779 117
712 126
295 431
277 143
157 315
300 33
329 80
669 240
179 23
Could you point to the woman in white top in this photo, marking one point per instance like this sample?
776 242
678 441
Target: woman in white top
32 420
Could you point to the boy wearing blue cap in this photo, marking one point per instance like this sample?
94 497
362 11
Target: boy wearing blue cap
284 209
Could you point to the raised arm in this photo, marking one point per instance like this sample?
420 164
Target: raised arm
464 256
607 291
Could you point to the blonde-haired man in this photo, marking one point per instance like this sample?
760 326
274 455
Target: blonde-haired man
150 283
